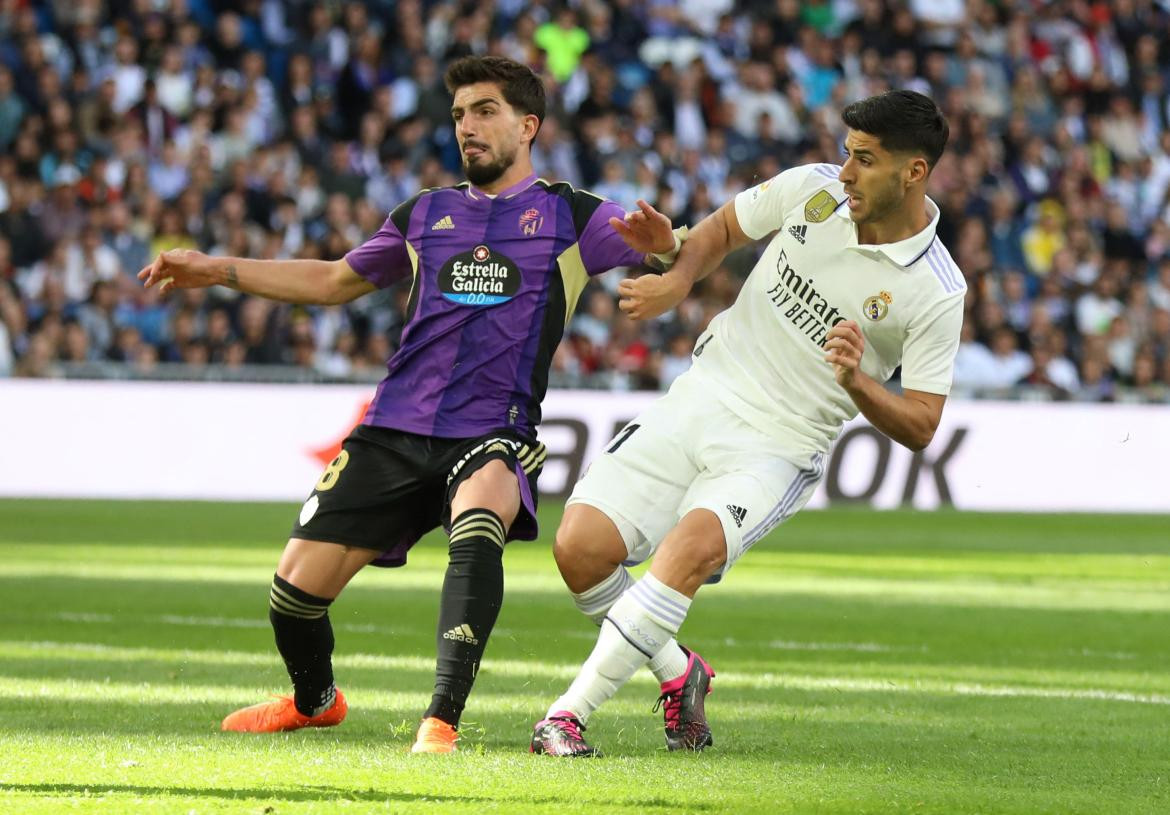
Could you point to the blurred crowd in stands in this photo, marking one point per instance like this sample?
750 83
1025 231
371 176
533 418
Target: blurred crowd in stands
289 129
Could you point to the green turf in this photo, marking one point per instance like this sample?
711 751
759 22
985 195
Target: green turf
868 663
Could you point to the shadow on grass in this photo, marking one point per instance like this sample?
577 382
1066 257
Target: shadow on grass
211 674
91 717
320 794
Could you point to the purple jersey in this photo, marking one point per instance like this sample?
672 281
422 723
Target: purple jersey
495 281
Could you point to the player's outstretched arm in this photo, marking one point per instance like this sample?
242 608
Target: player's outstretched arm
909 419
292 281
704 249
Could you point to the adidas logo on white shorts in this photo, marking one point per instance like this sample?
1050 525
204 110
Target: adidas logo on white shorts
738 513
462 633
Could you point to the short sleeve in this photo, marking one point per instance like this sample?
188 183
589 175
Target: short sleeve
383 259
928 354
760 209
601 247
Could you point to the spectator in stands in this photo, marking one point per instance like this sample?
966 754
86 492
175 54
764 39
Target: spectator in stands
246 134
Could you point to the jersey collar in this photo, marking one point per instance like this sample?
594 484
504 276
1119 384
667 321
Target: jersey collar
905 252
515 189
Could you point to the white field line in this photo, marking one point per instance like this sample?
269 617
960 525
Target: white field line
520 669
586 632
952 590
859 647
260 621
1089 652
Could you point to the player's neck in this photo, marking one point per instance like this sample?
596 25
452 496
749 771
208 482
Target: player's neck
521 168
906 222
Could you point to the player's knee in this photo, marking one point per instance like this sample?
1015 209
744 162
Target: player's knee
580 550
697 553
568 548
709 553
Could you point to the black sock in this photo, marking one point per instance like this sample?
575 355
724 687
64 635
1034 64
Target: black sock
304 638
473 592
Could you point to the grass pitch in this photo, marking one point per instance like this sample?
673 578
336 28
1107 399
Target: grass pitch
867 663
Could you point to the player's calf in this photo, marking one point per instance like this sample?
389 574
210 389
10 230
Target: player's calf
304 637
473 592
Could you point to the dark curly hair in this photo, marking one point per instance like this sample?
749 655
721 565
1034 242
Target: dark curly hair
522 88
904 121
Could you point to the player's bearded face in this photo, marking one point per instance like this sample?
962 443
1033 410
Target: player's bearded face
873 179
486 164
488 130
883 196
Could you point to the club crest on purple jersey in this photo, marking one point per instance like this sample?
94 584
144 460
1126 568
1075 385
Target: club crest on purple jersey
531 221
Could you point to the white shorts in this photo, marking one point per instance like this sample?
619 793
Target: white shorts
688 451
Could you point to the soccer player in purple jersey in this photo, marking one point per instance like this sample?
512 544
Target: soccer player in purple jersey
497 264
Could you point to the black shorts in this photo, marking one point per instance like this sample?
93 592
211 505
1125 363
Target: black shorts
387 488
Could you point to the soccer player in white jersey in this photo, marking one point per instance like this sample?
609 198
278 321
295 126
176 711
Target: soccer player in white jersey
852 284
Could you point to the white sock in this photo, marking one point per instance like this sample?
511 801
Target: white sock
595 602
670 662
639 625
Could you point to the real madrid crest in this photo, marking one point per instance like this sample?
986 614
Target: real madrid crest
877 307
819 207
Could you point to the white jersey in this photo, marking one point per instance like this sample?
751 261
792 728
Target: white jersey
764 356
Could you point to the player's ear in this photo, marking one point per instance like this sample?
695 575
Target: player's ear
531 127
916 170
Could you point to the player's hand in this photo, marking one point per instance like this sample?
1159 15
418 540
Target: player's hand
642 298
179 269
645 230
844 345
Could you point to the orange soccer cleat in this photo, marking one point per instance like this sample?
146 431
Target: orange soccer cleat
435 736
281 714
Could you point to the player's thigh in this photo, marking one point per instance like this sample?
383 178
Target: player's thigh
638 481
751 501
322 568
379 493
498 472
493 486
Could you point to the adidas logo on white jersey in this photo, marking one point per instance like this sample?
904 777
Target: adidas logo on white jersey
738 513
462 633
443 223
798 232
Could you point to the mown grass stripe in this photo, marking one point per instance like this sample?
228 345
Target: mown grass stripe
535 668
1066 595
